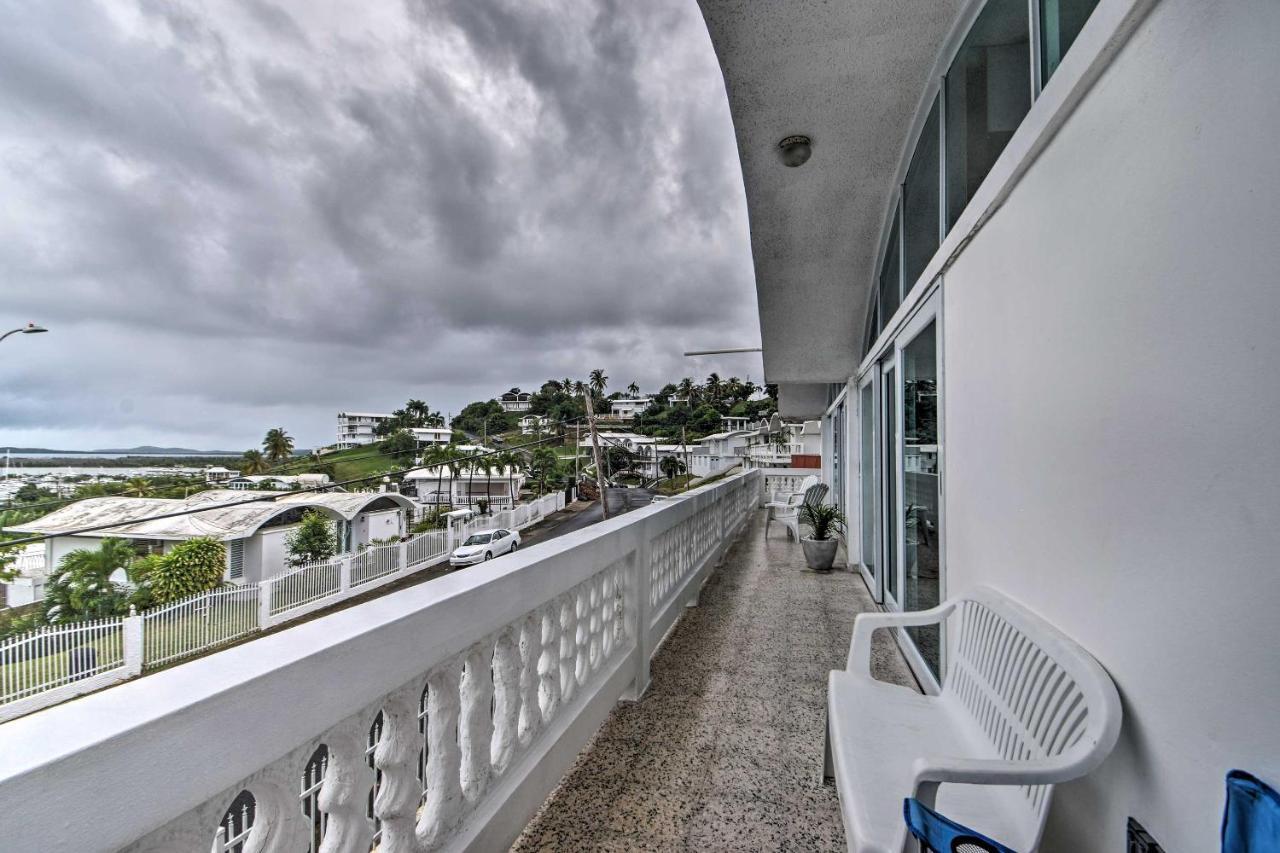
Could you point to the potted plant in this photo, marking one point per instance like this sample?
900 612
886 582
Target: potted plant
824 521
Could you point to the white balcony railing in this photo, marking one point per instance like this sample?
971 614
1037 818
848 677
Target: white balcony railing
438 717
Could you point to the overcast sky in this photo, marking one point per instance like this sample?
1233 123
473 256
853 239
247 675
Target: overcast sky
240 215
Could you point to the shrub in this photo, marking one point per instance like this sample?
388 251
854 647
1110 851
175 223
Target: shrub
192 567
313 540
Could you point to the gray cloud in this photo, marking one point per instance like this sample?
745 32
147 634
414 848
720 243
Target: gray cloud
263 214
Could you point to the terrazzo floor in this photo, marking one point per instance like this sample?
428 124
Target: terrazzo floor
724 751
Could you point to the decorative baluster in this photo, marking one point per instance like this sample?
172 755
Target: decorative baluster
582 634
530 719
396 755
506 701
549 662
608 610
568 647
342 796
476 729
444 758
595 600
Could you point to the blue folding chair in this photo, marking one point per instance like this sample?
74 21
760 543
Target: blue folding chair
1251 819
942 835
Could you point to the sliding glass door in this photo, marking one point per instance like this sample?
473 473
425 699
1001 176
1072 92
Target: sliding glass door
900 448
921 564
889 478
867 469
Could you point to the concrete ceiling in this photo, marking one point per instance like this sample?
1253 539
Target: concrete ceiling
850 75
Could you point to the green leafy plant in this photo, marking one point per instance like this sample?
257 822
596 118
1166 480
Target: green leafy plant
313 540
192 567
81 586
823 520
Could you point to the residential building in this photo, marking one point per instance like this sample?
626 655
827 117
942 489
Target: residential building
531 424
255 530
358 428
1030 247
216 474
626 408
281 482
428 436
441 486
515 400
734 423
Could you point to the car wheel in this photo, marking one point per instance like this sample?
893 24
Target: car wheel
488 555
515 545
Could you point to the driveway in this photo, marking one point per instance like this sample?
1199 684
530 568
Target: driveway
569 519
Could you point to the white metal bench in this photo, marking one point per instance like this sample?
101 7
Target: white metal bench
1022 707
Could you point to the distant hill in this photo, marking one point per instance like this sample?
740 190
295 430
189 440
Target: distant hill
144 450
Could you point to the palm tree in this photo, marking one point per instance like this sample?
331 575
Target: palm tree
686 390
512 461
543 466
671 466
598 382
633 390
138 487
714 388
253 462
417 412
277 445
81 588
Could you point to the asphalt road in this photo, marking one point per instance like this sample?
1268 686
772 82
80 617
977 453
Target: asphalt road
620 501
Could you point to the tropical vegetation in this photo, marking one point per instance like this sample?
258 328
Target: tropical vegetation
313 540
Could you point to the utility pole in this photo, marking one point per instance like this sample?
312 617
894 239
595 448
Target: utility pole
595 450
577 448
684 446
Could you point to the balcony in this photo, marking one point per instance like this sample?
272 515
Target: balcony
724 751
442 716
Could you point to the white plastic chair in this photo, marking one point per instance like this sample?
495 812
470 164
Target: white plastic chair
788 513
1022 708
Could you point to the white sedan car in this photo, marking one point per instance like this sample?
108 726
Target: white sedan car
484 545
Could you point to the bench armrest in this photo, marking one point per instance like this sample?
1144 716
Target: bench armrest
929 773
859 661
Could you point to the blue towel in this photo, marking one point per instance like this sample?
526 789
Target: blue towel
1251 820
944 835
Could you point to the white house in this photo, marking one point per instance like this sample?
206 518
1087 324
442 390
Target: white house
439 486
217 474
530 424
357 428
255 529
718 452
736 423
626 408
515 400
426 436
281 482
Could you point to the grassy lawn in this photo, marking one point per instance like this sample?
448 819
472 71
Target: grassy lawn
23 668
675 485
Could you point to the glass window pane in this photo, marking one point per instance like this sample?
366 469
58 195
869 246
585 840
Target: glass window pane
868 475
920 225
920 563
988 92
1060 23
890 295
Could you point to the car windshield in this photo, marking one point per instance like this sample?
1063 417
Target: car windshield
478 539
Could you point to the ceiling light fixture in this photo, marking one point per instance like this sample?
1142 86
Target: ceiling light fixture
796 150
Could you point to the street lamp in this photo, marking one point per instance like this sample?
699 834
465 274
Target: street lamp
29 329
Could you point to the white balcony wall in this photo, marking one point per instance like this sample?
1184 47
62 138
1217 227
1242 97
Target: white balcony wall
1111 402
522 657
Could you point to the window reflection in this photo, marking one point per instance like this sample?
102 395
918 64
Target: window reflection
920 553
890 279
988 92
1060 23
921 229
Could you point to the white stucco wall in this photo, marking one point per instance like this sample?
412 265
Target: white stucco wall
1112 337
377 525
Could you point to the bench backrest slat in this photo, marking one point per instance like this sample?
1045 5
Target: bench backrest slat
1031 691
